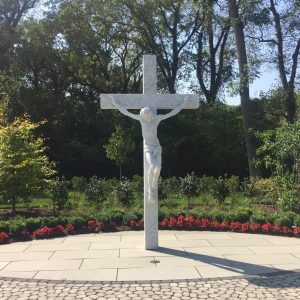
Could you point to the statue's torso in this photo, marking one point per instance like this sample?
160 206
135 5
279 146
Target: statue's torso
149 131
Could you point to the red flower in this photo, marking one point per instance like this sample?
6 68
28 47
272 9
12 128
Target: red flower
141 223
164 223
189 222
266 227
235 226
91 225
43 233
3 237
172 222
69 228
255 227
245 227
286 230
224 225
297 231
59 230
276 228
133 223
100 225
204 224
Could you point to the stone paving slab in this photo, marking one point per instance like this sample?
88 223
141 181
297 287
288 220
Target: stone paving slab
120 255
81 275
159 273
46 265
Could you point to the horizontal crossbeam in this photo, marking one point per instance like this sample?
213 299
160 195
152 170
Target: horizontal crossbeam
158 101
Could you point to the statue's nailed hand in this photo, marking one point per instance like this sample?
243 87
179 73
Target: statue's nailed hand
187 100
111 100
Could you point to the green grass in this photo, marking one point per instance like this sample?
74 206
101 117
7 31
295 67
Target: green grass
77 205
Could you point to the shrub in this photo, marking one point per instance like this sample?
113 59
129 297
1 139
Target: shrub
188 185
233 184
77 222
33 223
289 201
17 226
258 218
297 221
286 220
242 215
59 193
123 191
170 186
220 189
117 217
78 183
138 184
95 190
259 187
4 226
205 184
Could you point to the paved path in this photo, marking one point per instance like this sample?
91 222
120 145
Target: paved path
279 287
120 256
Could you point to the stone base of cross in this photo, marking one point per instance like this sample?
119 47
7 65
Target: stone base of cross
148 103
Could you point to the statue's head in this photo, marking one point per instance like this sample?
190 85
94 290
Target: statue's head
147 114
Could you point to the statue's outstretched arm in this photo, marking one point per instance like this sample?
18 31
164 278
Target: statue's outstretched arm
123 110
175 111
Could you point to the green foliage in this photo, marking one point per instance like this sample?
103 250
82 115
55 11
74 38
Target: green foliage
138 184
280 151
206 184
289 201
58 193
258 218
79 183
119 147
4 226
95 190
123 192
286 219
170 186
233 184
220 189
33 223
24 167
259 187
188 185
17 226
242 215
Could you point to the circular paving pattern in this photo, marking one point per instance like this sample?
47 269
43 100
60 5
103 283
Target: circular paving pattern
280 287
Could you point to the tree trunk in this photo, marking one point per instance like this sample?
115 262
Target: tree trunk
244 84
14 204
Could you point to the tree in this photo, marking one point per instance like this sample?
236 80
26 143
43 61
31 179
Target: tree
119 148
11 13
24 167
164 28
238 28
211 55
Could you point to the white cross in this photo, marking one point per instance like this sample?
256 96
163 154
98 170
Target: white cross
152 149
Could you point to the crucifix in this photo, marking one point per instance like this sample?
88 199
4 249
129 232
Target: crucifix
148 103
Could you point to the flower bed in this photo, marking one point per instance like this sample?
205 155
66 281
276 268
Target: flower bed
171 223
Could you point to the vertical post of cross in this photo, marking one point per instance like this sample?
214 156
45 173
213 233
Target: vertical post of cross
150 209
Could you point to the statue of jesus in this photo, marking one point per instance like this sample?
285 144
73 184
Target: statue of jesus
149 122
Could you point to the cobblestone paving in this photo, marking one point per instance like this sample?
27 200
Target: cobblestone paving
280 287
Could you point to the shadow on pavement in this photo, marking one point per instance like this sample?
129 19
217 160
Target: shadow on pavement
267 275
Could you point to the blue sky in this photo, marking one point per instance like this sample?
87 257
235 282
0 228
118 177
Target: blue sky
268 79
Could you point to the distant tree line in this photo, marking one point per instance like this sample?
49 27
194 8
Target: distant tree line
57 57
